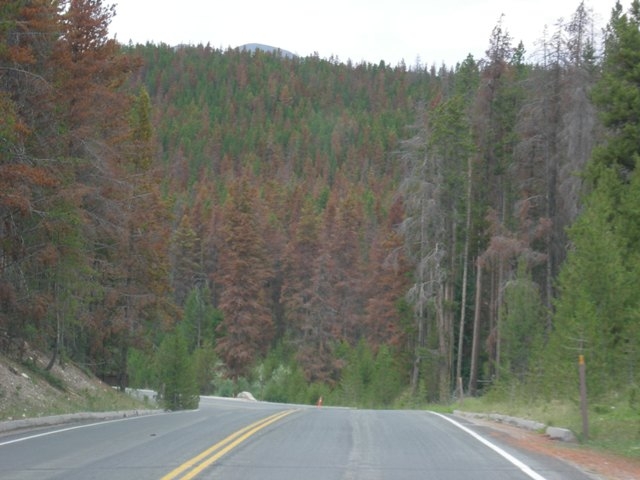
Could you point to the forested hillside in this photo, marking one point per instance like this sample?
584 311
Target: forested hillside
304 227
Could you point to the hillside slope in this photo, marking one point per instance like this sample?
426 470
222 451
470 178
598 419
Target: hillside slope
27 390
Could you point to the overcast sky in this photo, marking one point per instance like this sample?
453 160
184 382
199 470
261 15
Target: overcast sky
434 31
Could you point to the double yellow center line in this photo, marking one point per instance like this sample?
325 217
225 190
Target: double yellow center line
197 464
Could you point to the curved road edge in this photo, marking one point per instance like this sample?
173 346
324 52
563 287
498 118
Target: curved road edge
524 468
52 420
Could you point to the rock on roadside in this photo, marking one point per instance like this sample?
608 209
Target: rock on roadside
562 434
555 433
246 396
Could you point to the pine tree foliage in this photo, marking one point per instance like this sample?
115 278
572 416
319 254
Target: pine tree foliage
303 223
70 204
522 330
597 305
617 95
597 308
178 389
247 328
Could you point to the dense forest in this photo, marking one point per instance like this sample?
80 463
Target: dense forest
306 227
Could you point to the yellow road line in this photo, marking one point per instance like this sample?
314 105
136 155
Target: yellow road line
213 453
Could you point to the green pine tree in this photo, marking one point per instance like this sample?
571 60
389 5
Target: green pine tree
617 94
178 388
200 319
597 297
523 324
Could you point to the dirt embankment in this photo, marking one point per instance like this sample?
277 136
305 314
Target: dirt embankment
28 390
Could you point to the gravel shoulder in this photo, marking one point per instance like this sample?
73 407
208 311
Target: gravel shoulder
601 466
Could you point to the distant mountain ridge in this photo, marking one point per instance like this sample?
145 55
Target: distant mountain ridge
252 47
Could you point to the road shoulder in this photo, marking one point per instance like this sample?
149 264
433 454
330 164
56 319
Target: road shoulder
600 465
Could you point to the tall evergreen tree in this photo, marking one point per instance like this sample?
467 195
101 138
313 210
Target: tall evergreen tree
384 322
597 309
617 94
425 235
246 329
597 304
497 104
298 291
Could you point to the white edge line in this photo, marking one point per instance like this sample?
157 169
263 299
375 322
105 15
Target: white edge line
77 427
522 466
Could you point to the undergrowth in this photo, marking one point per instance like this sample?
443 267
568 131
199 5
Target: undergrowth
613 420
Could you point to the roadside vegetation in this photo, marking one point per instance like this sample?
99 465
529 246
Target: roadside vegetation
614 420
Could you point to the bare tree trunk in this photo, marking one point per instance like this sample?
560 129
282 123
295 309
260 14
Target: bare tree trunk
57 346
465 274
490 344
445 322
417 351
420 340
54 356
200 314
498 312
475 342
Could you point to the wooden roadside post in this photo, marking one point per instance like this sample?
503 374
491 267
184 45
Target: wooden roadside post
583 397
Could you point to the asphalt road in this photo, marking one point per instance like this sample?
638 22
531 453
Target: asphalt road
230 439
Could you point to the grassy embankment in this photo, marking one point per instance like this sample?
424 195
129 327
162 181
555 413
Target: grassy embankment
614 423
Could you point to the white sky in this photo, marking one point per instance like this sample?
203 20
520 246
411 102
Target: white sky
435 31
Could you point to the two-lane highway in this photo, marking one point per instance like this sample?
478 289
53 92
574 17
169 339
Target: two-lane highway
342 444
229 440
